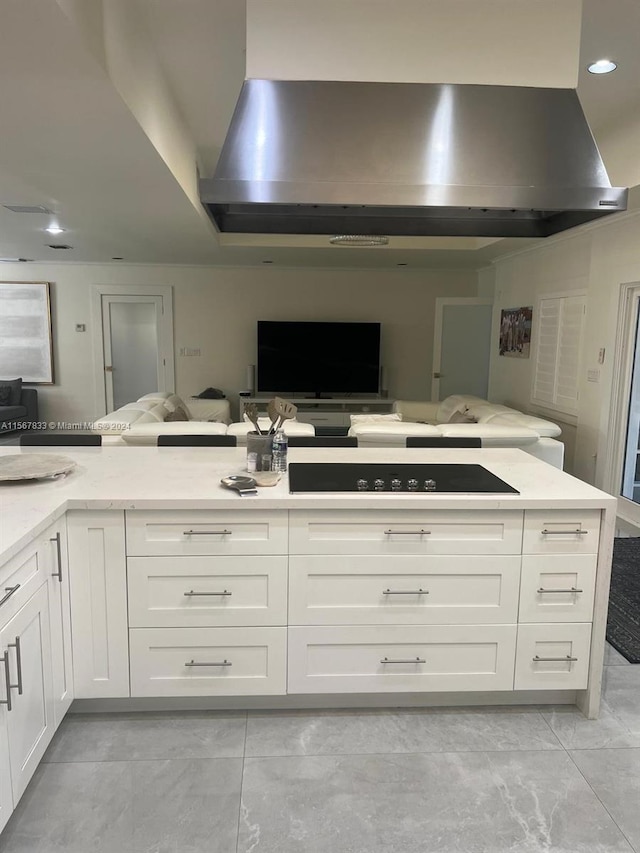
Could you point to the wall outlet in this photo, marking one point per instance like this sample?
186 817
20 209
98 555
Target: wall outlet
189 351
593 376
81 327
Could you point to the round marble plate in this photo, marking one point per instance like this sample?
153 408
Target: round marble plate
34 466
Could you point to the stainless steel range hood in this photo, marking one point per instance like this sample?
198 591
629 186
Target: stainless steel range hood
312 157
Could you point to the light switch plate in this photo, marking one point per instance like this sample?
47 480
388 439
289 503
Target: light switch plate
593 375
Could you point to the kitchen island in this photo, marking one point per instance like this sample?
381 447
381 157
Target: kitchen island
138 582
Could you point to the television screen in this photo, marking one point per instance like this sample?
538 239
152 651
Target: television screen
319 358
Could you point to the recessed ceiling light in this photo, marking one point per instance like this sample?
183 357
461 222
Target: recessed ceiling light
14 260
59 246
54 229
602 66
402 264
117 259
267 262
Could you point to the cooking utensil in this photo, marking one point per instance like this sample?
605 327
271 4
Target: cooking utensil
273 415
243 485
284 409
251 411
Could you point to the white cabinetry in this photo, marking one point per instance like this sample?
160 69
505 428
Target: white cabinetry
97 569
27 718
211 620
55 546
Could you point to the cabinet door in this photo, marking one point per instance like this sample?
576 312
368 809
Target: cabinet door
55 547
98 580
30 722
6 798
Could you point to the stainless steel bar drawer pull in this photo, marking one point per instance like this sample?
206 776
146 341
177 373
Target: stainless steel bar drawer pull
573 589
57 574
402 660
207 532
192 593
224 662
9 592
7 681
405 592
565 659
16 646
577 530
407 532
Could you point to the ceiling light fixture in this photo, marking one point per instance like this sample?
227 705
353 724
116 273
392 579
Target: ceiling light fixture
54 229
602 66
15 260
359 240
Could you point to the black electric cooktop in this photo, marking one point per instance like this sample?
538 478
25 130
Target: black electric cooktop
388 477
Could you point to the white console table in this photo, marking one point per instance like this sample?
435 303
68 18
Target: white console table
329 411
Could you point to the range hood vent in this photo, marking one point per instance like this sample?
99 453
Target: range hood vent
325 157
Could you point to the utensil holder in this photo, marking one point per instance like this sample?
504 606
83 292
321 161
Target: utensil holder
259 452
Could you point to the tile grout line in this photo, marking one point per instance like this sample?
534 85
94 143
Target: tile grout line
244 752
548 725
595 794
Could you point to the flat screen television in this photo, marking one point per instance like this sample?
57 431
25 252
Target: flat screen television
318 357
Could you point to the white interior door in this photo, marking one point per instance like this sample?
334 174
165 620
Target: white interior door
461 347
134 361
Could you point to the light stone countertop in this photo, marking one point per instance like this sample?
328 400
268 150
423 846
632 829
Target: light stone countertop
189 478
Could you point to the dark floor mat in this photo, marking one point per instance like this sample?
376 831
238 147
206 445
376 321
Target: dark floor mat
623 622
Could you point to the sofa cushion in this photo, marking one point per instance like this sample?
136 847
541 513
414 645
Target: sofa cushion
147 433
178 414
11 391
372 418
10 414
123 419
490 435
451 404
209 410
462 417
391 433
168 399
544 428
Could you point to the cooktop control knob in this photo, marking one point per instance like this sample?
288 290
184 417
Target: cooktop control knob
396 484
429 485
362 485
378 485
412 485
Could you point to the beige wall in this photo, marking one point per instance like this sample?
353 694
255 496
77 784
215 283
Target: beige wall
215 310
599 259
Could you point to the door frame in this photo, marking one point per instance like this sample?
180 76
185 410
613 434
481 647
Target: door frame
165 334
621 376
441 302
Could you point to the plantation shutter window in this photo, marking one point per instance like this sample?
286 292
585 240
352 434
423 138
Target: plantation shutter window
560 328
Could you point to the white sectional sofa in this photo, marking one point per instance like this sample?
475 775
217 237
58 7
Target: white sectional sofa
494 424
142 421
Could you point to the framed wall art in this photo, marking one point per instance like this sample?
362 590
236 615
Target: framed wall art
515 332
26 348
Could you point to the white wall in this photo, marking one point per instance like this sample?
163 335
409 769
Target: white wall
216 309
513 42
599 259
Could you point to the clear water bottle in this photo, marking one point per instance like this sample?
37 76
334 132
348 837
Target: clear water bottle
280 447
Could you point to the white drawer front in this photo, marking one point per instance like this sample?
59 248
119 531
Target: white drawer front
553 656
195 592
405 532
372 660
233 661
166 532
557 588
20 578
408 590
561 531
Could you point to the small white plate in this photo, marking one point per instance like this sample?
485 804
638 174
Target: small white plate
33 466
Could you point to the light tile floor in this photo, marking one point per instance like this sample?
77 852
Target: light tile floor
535 780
